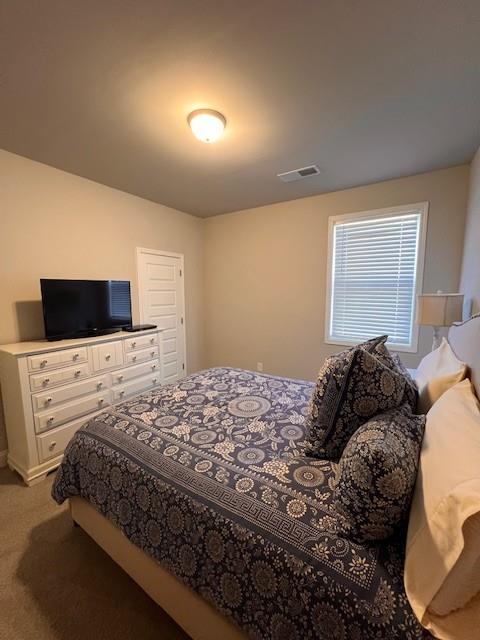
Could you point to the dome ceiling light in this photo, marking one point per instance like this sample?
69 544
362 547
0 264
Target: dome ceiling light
207 125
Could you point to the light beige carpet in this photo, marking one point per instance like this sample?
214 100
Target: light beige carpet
57 584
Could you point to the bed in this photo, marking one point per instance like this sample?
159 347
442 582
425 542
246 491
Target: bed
203 493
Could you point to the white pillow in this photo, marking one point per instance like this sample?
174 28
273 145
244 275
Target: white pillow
437 372
463 582
441 577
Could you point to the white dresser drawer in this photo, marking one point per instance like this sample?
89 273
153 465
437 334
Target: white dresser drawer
141 342
136 386
59 376
54 443
45 361
57 416
124 375
43 401
107 355
141 356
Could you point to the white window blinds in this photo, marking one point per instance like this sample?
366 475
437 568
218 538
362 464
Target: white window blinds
374 272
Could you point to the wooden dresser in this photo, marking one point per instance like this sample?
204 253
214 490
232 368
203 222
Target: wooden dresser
50 389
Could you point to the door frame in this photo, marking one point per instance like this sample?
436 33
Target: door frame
167 254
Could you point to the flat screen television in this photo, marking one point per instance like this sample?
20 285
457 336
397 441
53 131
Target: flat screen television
80 308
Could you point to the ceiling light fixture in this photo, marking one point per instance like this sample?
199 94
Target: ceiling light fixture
207 125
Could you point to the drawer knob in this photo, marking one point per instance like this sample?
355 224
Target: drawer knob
152 340
43 363
52 445
122 393
76 356
120 378
152 353
154 366
108 356
101 400
48 400
50 420
134 358
154 380
77 373
46 381
99 385
134 344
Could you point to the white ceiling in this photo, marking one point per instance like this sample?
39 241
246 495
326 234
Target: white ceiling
368 90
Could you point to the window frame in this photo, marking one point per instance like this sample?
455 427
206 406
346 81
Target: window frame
390 212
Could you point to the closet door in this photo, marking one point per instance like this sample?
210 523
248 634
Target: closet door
162 302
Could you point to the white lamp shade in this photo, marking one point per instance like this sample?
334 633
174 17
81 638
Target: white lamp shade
207 125
439 309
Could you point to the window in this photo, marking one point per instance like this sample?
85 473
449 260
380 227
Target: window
375 273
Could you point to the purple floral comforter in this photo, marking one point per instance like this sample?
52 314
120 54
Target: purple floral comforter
209 476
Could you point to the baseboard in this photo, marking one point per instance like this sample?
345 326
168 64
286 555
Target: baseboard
3 458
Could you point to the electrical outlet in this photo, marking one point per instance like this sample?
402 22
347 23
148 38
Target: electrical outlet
259 366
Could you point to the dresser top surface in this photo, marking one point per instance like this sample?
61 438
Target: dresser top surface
39 346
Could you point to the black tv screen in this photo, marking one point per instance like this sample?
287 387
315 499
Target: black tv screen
78 308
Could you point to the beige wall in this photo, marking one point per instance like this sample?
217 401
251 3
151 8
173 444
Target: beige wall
265 270
470 283
57 225
255 280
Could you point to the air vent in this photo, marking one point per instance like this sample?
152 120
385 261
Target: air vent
299 174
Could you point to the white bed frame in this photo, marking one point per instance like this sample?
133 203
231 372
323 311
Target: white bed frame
464 339
197 617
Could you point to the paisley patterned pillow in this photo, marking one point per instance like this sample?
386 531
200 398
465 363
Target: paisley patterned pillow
411 390
351 388
376 475
378 348
375 346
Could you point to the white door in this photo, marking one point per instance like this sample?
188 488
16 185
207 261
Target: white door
162 302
